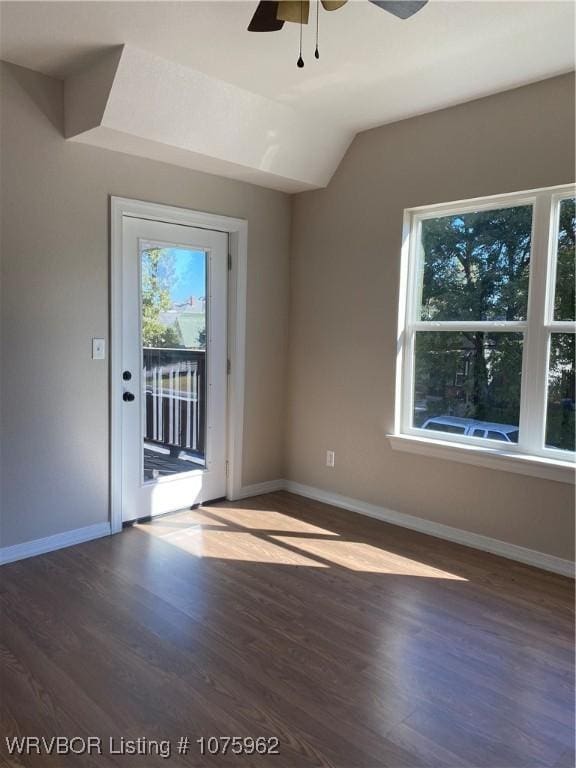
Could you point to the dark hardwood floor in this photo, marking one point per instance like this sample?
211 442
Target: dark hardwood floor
357 644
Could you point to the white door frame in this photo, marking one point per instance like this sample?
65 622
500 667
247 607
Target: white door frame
237 230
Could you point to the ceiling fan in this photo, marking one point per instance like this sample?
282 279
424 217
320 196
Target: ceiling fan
270 15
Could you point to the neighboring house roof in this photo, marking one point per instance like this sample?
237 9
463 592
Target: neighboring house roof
191 325
193 304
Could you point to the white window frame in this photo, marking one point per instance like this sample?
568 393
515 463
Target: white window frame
530 455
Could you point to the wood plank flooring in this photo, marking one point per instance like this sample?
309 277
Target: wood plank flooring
356 643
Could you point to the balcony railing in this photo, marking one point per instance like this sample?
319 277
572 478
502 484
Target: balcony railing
175 386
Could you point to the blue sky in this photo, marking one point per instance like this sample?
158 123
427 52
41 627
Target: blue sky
189 273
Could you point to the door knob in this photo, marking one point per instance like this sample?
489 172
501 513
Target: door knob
127 397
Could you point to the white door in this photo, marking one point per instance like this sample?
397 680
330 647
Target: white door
174 366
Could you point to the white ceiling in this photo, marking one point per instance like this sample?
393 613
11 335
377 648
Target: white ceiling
135 102
373 68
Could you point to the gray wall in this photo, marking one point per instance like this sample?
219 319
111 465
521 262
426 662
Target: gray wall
344 301
54 290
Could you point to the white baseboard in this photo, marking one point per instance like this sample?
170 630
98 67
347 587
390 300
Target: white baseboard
259 489
51 543
467 538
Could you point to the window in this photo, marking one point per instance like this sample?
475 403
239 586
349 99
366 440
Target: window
487 324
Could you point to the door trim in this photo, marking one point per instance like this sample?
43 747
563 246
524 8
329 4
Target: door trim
237 230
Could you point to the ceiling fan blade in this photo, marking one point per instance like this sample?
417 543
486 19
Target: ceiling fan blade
332 5
403 9
294 10
265 19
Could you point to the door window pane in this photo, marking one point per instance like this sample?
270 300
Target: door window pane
560 410
173 296
566 261
467 381
475 266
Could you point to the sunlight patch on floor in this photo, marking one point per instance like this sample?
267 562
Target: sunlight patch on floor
230 545
265 519
165 526
257 536
358 556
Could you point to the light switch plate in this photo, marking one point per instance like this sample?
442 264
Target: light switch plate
98 349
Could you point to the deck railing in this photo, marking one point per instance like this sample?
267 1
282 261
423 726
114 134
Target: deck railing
175 412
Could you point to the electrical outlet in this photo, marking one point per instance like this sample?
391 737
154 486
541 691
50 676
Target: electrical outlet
330 458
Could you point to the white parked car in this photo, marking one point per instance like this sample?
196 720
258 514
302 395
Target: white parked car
455 425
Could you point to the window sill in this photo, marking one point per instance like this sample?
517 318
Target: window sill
533 466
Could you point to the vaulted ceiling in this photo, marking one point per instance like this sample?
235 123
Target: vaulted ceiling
284 127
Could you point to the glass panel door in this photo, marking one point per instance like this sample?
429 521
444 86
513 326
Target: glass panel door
173 332
174 350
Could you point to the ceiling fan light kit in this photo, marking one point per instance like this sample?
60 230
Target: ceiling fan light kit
271 15
296 11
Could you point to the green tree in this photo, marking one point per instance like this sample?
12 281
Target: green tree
156 276
564 304
561 381
476 267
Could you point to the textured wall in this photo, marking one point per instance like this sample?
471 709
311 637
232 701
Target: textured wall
344 307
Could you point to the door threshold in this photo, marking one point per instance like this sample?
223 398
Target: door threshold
149 518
